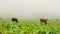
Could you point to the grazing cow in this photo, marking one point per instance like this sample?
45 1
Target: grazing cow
43 20
15 19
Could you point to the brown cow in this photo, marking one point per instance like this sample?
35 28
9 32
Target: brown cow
43 20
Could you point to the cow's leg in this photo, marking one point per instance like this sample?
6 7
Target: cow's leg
16 21
40 22
45 22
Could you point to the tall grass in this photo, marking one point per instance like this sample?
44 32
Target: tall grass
26 26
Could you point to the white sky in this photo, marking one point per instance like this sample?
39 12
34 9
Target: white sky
30 8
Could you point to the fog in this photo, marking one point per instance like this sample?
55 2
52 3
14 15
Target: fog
30 8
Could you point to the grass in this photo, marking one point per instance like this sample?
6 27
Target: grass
32 26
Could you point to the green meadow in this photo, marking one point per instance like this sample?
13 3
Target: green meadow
29 26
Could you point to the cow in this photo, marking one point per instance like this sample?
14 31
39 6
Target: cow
43 20
15 19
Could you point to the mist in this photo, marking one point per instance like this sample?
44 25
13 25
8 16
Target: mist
30 8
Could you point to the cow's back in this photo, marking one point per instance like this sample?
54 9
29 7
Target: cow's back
15 19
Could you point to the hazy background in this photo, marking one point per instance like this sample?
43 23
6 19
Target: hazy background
30 8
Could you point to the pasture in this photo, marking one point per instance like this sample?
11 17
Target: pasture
29 26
